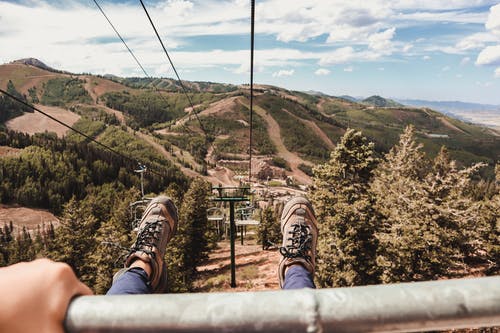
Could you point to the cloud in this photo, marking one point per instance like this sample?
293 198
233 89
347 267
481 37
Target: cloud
489 56
497 73
464 61
382 40
475 41
493 22
348 69
322 71
426 57
407 48
445 69
283 72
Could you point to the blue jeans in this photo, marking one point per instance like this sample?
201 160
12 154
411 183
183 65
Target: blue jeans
135 281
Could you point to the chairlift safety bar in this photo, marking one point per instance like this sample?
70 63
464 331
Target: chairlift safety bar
404 307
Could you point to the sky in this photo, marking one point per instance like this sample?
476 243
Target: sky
440 50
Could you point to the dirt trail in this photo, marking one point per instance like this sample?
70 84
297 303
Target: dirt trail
215 107
255 269
166 154
90 90
315 128
451 126
274 131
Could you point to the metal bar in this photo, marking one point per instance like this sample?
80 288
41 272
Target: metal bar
232 232
405 307
241 235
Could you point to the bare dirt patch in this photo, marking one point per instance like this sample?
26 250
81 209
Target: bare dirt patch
255 268
97 86
36 122
26 217
6 151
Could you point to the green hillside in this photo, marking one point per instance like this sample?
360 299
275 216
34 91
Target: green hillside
308 124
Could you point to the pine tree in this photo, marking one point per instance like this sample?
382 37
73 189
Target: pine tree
347 221
113 239
428 222
269 231
74 240
190 246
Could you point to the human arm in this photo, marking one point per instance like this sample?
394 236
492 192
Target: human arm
35 296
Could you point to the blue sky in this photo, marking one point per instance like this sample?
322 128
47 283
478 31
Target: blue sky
425 49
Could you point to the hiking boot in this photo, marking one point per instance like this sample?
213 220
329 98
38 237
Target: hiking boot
157 226
300 235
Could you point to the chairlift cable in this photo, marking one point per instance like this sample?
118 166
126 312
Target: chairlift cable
174 69
252 33
135 58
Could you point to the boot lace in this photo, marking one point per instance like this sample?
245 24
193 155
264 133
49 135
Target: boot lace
301 240
147 238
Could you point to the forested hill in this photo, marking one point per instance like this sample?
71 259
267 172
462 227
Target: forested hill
293 130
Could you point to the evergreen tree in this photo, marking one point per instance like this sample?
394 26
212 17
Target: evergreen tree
190 246
74 240
269 230
347 221
113 239
428 222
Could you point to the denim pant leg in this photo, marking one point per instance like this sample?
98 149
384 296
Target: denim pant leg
133 281
297 277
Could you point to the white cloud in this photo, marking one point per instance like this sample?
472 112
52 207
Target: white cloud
493 23
407 48
489 56
348 69
445 69
464 61
381 69
475 41
426 57
339 56
382 41
497 73
440 4
322 71
284 72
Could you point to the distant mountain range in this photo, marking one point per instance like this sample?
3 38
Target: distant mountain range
450 106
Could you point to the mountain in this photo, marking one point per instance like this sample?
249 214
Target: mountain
292 131
485 114
381 102
450 106
34 62
349 98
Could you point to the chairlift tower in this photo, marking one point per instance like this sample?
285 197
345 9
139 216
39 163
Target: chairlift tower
231 195
141 170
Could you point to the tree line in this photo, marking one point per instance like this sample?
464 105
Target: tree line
402 217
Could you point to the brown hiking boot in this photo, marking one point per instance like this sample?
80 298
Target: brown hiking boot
158 225
300 235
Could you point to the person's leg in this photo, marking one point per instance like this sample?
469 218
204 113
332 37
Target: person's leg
298 277
300 234
133 280
145 270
